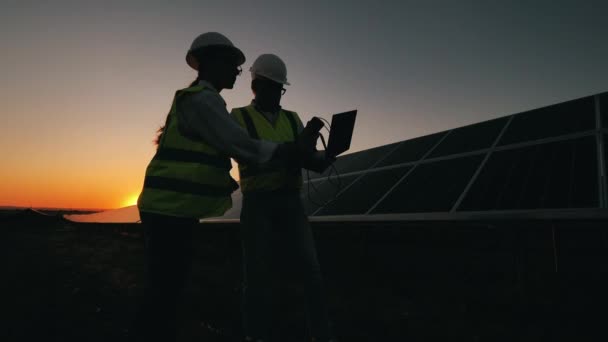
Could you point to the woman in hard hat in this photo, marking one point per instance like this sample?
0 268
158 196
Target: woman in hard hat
274 224
188 177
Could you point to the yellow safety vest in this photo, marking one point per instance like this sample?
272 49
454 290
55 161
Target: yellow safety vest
186 177
271 176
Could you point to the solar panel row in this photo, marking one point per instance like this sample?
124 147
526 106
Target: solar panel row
604 109
547 174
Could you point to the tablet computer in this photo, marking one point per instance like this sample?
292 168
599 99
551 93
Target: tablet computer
342 126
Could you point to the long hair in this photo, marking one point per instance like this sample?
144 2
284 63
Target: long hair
159 134
161 129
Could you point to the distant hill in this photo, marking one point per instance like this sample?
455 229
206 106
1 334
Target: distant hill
122 215
30 217
51 211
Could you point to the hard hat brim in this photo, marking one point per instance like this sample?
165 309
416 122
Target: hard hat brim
236 52
273 79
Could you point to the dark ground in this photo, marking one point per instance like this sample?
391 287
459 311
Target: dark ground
391 282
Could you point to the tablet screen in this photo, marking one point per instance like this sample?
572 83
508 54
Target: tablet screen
342 126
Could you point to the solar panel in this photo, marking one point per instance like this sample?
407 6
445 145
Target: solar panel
560 119
553 175
365 192
604 109
605 148
470 138
411 150
431 187
357 161
321 191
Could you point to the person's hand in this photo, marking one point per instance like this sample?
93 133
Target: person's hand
307 140
298 153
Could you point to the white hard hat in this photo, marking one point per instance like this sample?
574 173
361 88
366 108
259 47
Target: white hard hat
271 67
210 39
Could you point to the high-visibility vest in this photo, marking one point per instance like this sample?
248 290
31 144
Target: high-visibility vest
272 175
186 177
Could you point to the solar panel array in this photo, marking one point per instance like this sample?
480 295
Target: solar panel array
547 158
604 109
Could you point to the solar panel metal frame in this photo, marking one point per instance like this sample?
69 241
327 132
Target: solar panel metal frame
597 131
566 138
603 196
454 133
483 151
415 164
482 216
481 165
495 215
405 142
316 176
363 174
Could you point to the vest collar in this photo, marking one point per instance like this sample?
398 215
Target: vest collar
210 86
256 107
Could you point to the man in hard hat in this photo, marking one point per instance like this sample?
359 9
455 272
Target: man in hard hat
188 177
272 210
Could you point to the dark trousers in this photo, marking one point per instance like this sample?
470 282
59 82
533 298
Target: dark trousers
275 227
168 249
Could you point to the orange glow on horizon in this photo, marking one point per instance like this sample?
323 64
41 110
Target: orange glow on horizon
63 187
68 188
131 200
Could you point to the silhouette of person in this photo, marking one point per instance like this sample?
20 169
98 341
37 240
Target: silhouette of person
188 178
274 224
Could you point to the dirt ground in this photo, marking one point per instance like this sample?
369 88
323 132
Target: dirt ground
81 282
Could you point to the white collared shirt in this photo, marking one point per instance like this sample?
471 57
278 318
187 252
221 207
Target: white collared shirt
203 115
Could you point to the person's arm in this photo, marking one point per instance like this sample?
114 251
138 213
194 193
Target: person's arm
204 115
299 124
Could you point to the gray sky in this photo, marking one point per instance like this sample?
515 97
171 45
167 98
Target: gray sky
95 79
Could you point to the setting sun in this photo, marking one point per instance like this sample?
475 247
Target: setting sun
131 200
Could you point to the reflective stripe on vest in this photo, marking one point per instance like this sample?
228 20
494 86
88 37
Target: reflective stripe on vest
186 177
272 175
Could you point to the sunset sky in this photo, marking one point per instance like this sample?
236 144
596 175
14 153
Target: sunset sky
84 85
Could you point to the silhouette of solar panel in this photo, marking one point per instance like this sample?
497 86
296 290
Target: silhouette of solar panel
357 161
411 150
358 198
604 109
322 191
605 148
431 187
560 119
561 174
470 138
